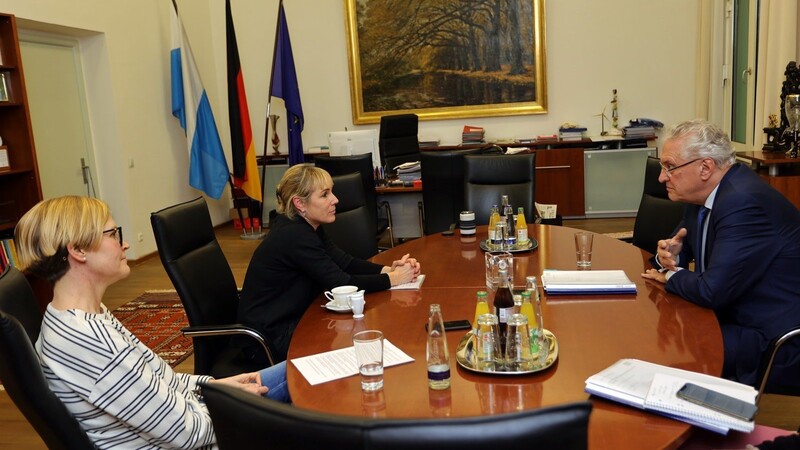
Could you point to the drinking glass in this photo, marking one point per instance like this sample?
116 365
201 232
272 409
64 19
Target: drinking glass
583 249
487 344
494 263
518 344
368 346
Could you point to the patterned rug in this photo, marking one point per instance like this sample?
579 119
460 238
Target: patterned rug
156 318
620 235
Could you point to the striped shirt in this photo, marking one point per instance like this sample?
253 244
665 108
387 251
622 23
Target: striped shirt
122 393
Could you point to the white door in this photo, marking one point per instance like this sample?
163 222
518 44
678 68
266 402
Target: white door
54 81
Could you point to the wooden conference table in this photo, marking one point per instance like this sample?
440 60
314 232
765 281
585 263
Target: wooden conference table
592 333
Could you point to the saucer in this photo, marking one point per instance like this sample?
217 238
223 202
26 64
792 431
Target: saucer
336 308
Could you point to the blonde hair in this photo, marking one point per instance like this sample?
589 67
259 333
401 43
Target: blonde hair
300 181
44 232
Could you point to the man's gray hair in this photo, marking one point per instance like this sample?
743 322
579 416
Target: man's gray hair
703 139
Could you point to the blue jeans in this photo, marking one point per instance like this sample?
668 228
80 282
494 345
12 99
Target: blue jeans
274 378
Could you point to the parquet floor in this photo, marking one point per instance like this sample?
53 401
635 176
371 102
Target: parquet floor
147 274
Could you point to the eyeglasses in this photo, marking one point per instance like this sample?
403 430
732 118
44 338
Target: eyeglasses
669 170
115 232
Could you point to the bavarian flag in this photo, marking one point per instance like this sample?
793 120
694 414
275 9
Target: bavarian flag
208 169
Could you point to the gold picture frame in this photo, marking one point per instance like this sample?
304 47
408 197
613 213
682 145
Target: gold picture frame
439 65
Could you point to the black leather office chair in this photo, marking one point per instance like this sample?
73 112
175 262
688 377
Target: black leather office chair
20 371
194 261
487 177
362 164
398 141
240 419
658 216
354 228
443 187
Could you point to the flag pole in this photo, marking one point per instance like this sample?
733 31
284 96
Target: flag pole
269 98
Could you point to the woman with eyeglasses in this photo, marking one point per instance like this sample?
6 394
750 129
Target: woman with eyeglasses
120 391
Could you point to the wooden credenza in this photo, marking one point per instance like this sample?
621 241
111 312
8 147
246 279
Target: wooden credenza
559 179
781 172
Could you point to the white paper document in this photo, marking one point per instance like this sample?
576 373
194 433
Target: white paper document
587 282
411 285
336 364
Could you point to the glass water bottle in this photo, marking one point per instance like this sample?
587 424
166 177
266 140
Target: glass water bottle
436 353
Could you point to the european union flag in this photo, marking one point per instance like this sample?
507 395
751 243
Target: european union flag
284 85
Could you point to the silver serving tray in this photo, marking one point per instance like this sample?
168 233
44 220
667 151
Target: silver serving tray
466 357
532 244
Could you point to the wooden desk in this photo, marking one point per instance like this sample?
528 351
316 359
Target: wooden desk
782 172
592 331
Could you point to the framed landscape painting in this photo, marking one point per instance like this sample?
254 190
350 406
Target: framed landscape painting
444 59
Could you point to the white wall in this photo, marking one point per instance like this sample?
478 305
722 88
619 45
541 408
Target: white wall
644 49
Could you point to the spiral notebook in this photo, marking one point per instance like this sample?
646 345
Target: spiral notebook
652 387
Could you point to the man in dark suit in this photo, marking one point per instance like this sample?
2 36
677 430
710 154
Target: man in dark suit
744 237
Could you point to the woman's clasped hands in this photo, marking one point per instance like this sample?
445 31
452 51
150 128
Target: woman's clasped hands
403 270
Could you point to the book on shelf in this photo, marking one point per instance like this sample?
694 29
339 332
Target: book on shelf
472 134
587 282
653 387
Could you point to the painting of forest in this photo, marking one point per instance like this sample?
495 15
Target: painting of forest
446 58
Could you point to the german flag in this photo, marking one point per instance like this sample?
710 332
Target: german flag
245 168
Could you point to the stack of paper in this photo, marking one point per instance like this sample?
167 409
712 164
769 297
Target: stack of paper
341 363
653 387
416 284
587 282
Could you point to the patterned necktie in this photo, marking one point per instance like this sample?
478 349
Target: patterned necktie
698 257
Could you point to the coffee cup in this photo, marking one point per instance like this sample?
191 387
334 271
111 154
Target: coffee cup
340 296
357 304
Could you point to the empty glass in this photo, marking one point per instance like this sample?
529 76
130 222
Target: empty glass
487 344
518 344
495 262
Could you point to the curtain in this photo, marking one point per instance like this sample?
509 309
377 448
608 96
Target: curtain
777 45
702 97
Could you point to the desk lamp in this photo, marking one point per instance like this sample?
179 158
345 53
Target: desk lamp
792 108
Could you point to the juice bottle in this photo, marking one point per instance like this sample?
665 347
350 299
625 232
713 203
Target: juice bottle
522 229
494 217
526 309
481 307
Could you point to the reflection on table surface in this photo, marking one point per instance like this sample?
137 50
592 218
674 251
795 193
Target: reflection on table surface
592 331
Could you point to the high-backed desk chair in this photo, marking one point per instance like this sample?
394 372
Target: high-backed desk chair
398 141
198 269
22 376
443 187
361 164
657 216
241 418
354 228
487 177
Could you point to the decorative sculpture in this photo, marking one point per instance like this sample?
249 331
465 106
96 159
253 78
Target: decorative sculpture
614 131
276 141
784 137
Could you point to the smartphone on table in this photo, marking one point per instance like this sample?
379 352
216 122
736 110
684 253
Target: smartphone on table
717 401
454 325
